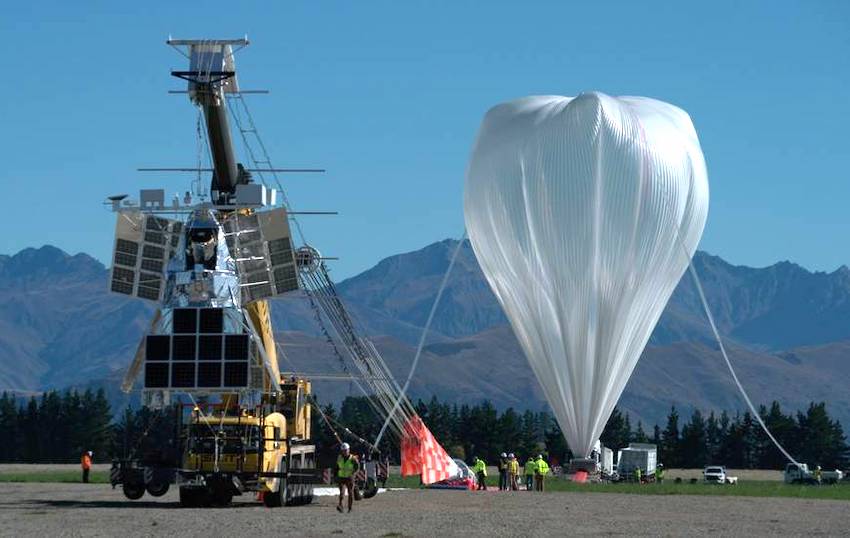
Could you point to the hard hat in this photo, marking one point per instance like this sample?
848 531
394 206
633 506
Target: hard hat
91 453
511 455
344 446
540 456
818 467
504 455
661 465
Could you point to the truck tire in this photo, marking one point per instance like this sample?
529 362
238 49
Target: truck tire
221 497
157 489
133 490
193 497
370 489
275 499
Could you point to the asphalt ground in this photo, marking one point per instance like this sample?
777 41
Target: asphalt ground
51 509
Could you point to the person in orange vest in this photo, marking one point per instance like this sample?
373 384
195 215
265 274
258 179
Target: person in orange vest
85 463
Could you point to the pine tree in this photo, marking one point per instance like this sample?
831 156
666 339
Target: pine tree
31 441
670 440
510 430
822 441
557 450
616 434
693 451
784 429
640 435
10 428
713 438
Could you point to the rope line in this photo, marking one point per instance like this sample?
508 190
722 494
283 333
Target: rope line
710 317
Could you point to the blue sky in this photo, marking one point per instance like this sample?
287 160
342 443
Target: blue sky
388 97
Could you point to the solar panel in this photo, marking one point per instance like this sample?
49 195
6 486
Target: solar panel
212 320
156 375
158 347
183 347
184 320
236 347
209 374
235 374
183 374
140 242
209 347
262 246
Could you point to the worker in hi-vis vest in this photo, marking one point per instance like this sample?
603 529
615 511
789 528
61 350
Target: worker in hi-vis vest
541 469
480 470
346 467
530 469
513 471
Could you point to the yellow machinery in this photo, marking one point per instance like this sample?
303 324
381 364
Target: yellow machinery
230 449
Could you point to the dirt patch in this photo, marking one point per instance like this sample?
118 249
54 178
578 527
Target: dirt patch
98 510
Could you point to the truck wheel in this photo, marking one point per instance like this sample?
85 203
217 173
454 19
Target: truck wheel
193 497
133 490
371 488
158 489
221 497
274 499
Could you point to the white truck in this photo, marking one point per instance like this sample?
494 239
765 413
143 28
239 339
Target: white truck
643 456
716 474
800 474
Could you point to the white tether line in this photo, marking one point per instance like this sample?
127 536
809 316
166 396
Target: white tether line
422 337
756 414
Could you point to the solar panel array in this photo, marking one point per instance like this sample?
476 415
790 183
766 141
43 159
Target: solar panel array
198 354
143 246
261 244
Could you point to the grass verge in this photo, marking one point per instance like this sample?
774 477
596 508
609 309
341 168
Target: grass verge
748 488
96 477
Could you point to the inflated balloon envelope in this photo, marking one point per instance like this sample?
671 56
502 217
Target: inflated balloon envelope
583 213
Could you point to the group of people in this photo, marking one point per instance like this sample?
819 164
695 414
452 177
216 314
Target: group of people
535 470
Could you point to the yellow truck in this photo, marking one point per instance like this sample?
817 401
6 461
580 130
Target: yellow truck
227 449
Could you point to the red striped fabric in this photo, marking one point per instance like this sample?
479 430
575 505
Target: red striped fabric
421 454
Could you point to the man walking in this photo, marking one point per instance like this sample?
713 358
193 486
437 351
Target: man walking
530 469
85 463
540 471
513 471
346 467
480 470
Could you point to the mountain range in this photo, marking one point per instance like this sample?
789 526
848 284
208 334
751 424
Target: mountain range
787 330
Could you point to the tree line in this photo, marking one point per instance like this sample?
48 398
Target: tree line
56 427
735 441
60 426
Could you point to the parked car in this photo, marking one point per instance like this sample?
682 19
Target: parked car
465 479
716 474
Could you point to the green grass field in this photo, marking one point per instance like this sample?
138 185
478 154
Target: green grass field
749 488
96 477
746 488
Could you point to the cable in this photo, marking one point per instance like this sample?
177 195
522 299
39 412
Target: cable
729 363
424 334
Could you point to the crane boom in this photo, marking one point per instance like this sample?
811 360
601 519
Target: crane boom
212 74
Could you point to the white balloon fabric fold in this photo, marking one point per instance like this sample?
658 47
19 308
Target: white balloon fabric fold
583 213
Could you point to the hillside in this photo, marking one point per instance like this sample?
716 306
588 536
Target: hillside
788 329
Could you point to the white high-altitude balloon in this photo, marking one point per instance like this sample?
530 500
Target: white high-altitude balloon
583 213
